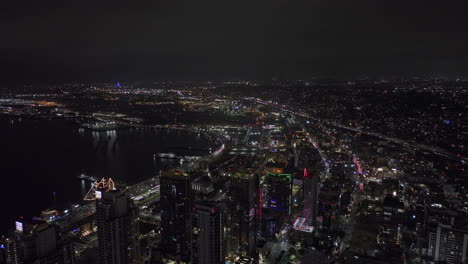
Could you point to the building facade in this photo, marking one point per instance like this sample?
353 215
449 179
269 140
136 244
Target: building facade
117 228
243 216
176 207
36 242
277 191
208 240
447 244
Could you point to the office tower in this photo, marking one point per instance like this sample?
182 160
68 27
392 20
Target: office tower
311 191
447 244
208 246
117 227
10 251
36 242
244 211
277 191
176 207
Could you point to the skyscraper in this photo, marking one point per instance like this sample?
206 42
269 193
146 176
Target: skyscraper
176 207
10 251
208 246
243 216
308 220
277 190
311 191
117 227
36 242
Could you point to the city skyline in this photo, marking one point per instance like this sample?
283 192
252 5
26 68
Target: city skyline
240 172
234 132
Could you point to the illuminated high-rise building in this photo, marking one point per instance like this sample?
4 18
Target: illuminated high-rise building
176 207
311 192
277 190
243 216
310 189
10 251
208 246
117 228
38 242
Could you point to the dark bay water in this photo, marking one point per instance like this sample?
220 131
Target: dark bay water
40 157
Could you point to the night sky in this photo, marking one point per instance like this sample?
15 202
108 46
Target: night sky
235 39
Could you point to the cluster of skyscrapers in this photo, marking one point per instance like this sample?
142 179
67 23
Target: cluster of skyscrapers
229 223
40 242
36 241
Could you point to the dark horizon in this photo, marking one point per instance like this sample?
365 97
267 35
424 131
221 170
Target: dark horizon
239 40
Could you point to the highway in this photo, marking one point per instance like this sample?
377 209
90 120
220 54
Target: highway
314 143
